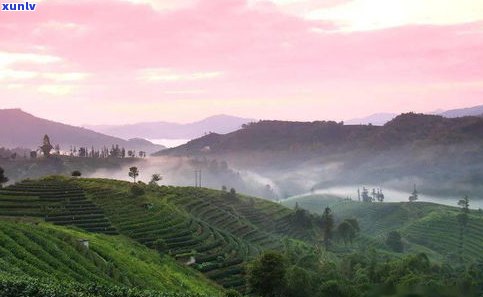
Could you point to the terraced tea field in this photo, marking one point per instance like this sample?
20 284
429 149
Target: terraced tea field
425 227
55 253
211 231
59 203
203 228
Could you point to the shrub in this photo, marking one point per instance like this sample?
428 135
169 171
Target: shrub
137 190
232 293
393 241
76 173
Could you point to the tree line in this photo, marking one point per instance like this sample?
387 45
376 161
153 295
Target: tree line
116 151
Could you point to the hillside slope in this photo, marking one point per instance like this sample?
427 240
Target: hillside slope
444 156
216 231
20 129
53 253
331 136
427 227
212 231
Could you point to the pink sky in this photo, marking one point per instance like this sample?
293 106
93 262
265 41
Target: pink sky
116 61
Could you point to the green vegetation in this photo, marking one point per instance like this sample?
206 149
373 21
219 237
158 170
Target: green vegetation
434 229
369 274
214 232
44 251
100 237
446 155
24 286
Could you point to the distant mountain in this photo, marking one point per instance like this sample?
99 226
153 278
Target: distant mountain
20 129
157 130
462 112
377 119
444 156
405 129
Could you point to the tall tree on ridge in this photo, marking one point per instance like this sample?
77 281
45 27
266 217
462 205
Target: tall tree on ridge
46 147
133 173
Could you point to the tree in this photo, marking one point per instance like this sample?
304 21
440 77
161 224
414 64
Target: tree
346 231
414 195
266 275
394 241
155 178
46 147
133 173
299 282
76 173
327 226
355 224
302 217
232 194
3 178
82 152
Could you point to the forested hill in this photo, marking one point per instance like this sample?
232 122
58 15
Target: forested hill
405 129
20 129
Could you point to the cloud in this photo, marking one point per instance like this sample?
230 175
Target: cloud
251 58
56 89
165 4
359 15
168 75
10 58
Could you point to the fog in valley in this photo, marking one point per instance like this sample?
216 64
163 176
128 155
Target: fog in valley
273 178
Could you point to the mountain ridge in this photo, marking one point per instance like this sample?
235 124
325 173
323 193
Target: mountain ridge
382 118
284 135
160 129
21 129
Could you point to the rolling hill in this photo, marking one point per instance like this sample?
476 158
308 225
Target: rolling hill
443 155
63 234
156 130
214 232
425 227
20 129
312 136
51 253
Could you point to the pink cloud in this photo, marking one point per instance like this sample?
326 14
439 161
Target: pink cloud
262 53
